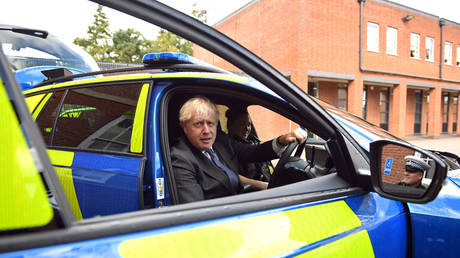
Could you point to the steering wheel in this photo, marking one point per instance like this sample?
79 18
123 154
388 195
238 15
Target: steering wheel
275 177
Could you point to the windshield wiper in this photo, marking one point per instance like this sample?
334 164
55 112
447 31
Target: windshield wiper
31 32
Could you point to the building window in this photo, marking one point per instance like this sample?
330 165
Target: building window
458 55
342 97
392 41
372 37
414 45
429 45
448 53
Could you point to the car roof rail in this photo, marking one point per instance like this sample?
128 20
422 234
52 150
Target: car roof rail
163 62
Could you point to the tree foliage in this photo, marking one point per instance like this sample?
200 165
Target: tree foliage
97 44
129 45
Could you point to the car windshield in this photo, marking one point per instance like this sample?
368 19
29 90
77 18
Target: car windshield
362 131
24 51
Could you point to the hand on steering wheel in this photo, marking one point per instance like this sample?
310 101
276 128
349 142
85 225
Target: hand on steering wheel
282 161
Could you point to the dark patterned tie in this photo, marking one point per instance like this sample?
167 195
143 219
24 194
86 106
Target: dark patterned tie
231 175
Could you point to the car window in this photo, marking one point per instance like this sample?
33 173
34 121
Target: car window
94 118
269 118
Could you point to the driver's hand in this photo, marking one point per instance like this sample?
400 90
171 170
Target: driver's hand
299 134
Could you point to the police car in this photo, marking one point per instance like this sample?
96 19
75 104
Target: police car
104 185
31 51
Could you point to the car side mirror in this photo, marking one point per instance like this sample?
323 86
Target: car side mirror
403 172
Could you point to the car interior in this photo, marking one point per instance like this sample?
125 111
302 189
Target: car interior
311 160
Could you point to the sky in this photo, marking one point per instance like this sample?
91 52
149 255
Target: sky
41 14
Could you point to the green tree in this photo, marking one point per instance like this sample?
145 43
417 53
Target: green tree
129 46
170 42
97 44
200 15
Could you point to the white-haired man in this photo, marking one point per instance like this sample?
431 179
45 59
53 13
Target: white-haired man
206 165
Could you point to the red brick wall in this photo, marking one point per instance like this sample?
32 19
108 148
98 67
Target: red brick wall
269 124
452 34
328 92
298 36
410 111
373 107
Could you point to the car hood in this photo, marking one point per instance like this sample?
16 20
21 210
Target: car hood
362 131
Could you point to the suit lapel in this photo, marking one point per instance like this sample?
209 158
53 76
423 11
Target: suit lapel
210 169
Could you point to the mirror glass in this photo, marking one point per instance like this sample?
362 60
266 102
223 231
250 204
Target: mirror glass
404 171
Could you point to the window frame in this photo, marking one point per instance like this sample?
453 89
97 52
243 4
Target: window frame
414 45
447 54
392 41
458 55
373 31
65 91
429 47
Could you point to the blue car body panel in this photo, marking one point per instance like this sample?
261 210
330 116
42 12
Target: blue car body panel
383 219
28 77
106 184
436 225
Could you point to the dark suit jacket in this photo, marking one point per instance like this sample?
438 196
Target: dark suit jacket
198 178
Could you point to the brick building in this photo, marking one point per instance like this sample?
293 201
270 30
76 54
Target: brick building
395 66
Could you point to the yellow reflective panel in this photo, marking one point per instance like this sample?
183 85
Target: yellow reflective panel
40 107
261 236
23 199
33 101
88 81
66 179
61 158
137 134
355 245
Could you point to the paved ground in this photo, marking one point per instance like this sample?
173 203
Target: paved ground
441 143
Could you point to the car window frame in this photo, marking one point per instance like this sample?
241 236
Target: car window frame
66 89
191 29
204 87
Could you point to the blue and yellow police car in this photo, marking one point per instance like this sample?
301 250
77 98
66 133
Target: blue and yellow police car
87 168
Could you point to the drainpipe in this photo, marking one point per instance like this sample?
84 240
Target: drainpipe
442 22
361 8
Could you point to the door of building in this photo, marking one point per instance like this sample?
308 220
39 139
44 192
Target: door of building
454 114
365 102
445 112
384 107
313 89
418 111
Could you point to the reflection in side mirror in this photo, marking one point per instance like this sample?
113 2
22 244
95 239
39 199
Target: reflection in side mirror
406 173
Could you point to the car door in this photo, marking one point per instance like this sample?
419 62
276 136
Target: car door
95 139
328 216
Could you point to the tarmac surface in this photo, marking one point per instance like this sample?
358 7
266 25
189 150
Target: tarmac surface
441 143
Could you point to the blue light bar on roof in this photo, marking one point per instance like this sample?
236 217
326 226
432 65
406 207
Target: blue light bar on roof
168 57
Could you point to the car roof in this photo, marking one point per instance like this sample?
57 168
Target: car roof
163 75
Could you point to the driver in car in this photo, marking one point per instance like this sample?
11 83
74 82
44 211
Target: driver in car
206 163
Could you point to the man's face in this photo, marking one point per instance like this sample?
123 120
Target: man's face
201 130
412 178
